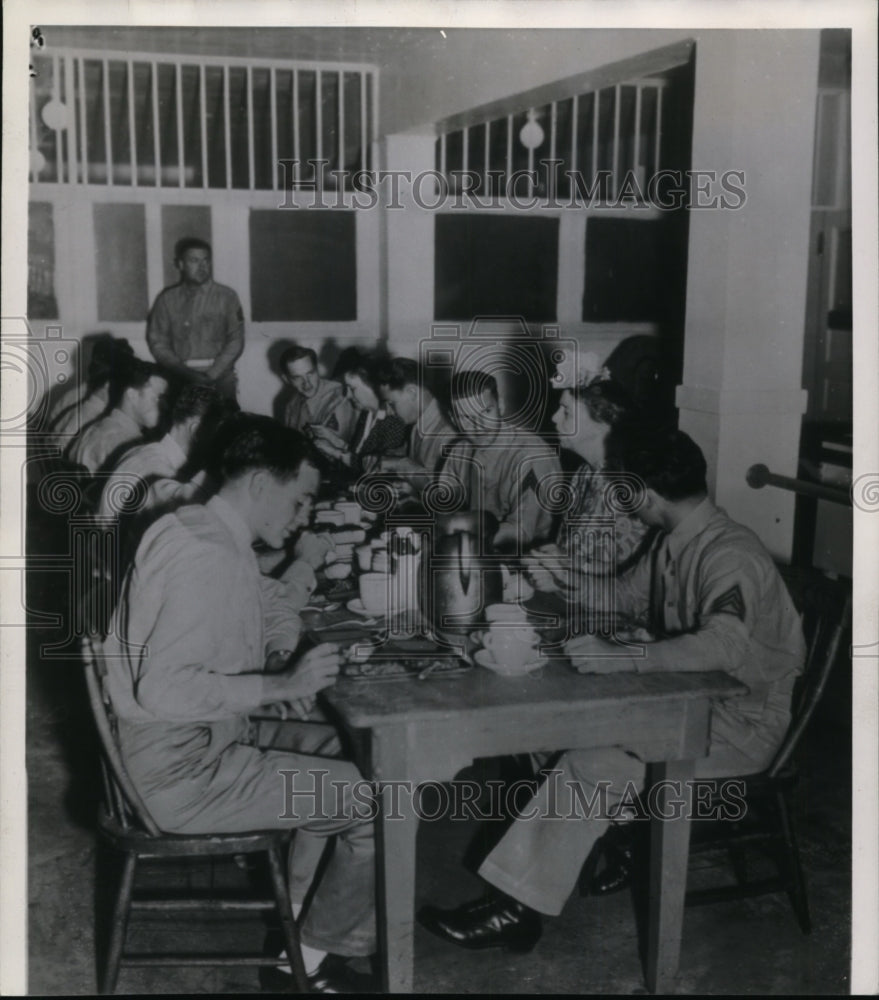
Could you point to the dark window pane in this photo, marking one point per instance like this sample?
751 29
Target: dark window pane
303 265
307 124
216 126
262 128
497 156
606 114
120 262
491 266
329 97
192 126
633 270
353 152
46 139
169 145
239 132
144 132
284 123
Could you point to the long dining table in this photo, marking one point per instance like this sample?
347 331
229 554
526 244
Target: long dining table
413 731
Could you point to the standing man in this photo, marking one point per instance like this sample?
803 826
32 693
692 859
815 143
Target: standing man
196 328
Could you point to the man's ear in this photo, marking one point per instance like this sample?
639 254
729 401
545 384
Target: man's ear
257 481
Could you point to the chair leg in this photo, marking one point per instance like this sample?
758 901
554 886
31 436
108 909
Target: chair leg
796 882
121 913
288 923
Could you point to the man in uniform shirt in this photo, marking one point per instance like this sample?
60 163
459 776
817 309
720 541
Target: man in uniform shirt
403 391
717 603
500 467
136 389
196 327
201 640
315 401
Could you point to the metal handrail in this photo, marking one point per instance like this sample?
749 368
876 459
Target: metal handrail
759 476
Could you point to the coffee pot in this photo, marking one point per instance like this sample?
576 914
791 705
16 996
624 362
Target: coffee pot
461 582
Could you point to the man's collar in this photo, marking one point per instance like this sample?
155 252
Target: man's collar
692 525
233 521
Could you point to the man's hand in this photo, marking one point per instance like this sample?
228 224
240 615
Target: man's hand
313 548
269 559
323 435
312 672
591 655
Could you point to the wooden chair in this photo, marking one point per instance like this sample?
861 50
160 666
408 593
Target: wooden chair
768 821
126 825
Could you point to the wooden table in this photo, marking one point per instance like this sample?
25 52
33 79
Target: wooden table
418 731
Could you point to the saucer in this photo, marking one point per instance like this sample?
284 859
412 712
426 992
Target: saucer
356 605
484 660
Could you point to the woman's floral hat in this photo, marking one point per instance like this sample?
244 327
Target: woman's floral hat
575 370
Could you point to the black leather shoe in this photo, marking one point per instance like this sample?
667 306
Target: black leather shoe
491 922
333 975
617 872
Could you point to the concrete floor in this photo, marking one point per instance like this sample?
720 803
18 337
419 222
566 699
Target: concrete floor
746 947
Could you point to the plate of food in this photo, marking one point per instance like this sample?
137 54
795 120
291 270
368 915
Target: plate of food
384 668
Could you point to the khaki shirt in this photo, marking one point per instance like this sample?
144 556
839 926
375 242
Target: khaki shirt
505 479
195 622
103 440
197 323
329 407
717 602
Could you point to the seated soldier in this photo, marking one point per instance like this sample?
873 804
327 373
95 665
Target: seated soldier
717 603
500 467
83 403
315 400
136 389
153 468
405 394
201 640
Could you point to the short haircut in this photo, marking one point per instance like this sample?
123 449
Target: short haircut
194 400
108 353
469 383
249 442
400 372
607 401
296 353
668 461
133 373
190 243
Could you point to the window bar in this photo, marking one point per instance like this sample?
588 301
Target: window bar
56 96
574 112
319 125
637 150
203 115
617 94
132 138
528 116
509 147
273 113
553 112
178 84
443 155
108 132
250 164
341 103
228 127
373 125
35 130
363 124
465 151
595 138
72 174
657 165
297 170
157 145
486 179
83 127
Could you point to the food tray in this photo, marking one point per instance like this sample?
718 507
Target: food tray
384 668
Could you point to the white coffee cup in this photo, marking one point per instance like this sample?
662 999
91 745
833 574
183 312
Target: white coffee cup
375 592
512 647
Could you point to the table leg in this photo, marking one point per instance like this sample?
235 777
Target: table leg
669 855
